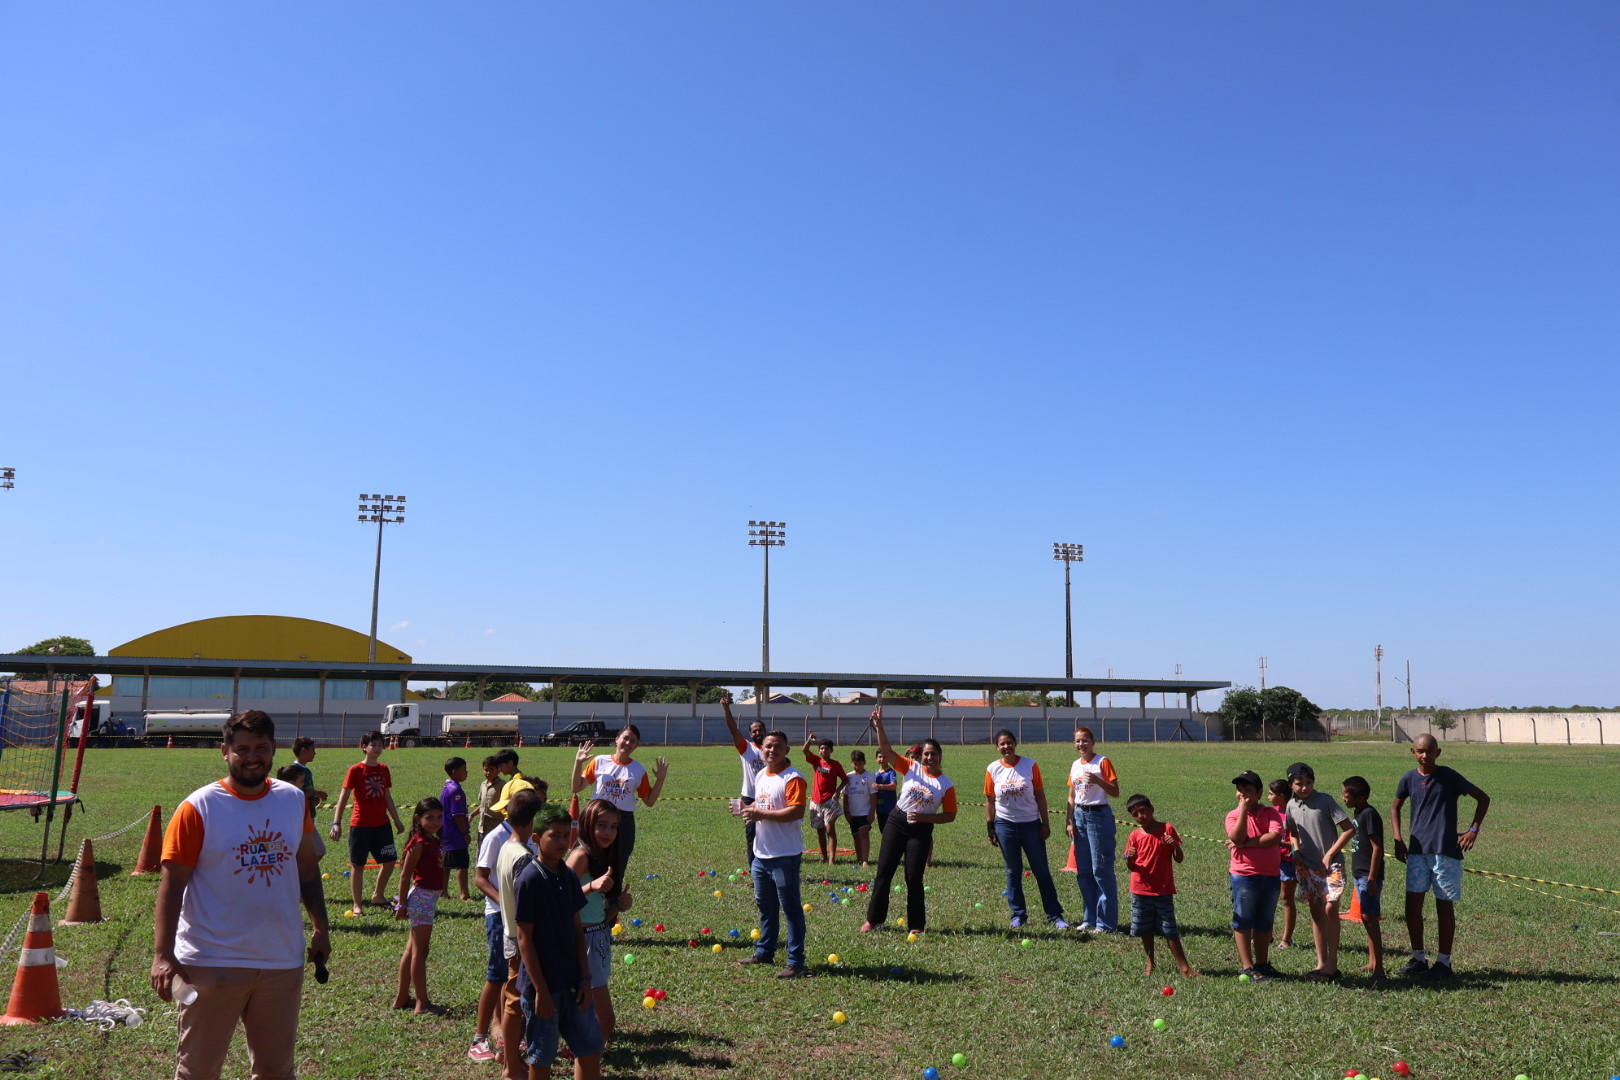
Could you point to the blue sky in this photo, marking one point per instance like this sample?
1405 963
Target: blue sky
1301 318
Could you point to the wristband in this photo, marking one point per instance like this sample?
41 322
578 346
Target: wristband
1474 829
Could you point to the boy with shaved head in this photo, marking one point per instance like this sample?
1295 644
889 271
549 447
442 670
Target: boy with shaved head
1434 855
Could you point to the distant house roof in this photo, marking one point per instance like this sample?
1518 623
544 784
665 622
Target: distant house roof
510 697
966 702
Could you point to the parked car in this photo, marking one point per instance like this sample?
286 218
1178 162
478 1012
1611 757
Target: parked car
584 731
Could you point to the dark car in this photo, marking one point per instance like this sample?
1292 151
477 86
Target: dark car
574 734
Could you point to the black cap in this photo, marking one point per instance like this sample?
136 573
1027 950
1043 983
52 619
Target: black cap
1249 776
1298 769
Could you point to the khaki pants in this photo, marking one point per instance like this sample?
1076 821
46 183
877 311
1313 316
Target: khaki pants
266 1002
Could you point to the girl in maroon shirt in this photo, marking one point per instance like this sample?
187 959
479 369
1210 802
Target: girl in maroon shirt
423 876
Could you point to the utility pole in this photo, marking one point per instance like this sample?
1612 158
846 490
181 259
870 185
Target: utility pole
1262 699
1066 554
8 478
1407 682
382 509
1378 684
767 534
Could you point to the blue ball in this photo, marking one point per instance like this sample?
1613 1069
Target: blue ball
649 877
894 971
1117 1042
930 1073
635 922
833 895
734 933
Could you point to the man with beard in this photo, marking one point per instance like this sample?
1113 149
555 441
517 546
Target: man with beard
238 858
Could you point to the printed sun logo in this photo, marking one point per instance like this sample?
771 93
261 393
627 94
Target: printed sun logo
263 855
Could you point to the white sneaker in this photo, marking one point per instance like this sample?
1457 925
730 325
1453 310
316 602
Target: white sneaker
1087 928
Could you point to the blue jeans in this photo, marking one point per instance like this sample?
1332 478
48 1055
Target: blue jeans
776 889
1254 902
1020 840
1094 842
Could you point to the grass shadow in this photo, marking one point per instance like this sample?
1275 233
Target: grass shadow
892 973
649 1053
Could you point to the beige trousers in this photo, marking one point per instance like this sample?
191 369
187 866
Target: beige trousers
266 1002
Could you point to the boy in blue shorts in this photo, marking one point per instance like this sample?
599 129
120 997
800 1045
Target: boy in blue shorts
553 983
1150 854
1367 869
1434 857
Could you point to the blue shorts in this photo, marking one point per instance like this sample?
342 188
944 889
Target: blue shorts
1370 900
1152 915
495 934
569 1023
1254 902
1287 869
599 954
1441 873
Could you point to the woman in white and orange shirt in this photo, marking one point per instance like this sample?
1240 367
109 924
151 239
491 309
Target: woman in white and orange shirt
926 797
1015 818
1092 782
620 780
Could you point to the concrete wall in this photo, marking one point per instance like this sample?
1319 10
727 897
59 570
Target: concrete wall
1555 729
677 724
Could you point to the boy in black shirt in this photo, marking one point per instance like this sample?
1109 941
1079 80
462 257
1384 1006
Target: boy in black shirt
556 995
1367 869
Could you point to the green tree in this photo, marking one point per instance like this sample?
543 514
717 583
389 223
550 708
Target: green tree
925 697
62 646
1282 709
1444 719
468 691
675 695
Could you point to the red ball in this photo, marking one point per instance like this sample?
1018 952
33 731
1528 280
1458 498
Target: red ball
1168 991
650 992
1351 1073
659 928
1029 873
706 931
692 942
660 994
1402 1069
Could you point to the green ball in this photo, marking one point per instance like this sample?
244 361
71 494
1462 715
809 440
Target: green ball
959 1060
733 877
897 888
1521 1076
978 907
845 901
1026 943
629 958
1158 1025
1243 978
928 888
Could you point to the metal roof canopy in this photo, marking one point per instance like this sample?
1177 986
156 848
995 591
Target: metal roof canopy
420 672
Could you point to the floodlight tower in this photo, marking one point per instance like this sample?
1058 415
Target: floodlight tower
384 510
8 478
1263 667
766 534
1066 554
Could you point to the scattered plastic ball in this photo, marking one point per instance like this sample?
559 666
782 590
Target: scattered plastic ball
647 878
833 895
705 931
659 928
649 1002
718 948
1245 978
861 887
692 942
1403 1069
345 873
635 922
1117 1042
736 933
660 994
325 876
1168 991
959 1060
629 958
928 888
718 894
832 958
1159 1025
1349 1073
897 888
754 934
732 878
845 901
1521 1076
894 971
1029 873
839 1018
901 921
978 907
807 907
1026 943
618 928
912 937
930 1073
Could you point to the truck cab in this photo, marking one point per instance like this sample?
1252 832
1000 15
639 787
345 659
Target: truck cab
403 720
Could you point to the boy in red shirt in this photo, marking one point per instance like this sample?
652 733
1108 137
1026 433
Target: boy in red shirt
369 835
824 809
1148 855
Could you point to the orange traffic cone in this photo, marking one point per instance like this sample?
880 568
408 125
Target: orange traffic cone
1070 867
1354 914
35 995
171 742
520 740
84 906
151 857
469 743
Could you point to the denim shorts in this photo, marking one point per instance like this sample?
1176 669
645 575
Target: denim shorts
495 934
1286 869
1152 915
1254 901
599 954
1371 900
569 1023
1441 873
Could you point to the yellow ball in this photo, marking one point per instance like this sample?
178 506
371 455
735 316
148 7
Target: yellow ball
718 948
832 958
754 933
617 929
649 1002
718 894
839 1018
912 938
325 876
901 921
807 907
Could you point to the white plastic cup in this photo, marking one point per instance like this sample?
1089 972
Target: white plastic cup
184 993
736 808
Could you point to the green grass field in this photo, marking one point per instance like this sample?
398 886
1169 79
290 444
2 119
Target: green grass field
1536 991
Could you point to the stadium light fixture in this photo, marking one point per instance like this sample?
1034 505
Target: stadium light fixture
1066 554
766 535
8 478
384 510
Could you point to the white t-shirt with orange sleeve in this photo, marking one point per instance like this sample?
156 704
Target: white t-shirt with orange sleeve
618 784
778 791
916 790
1014 787
1083 776
242 906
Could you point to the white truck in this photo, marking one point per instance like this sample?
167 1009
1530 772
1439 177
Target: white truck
406 722
187 727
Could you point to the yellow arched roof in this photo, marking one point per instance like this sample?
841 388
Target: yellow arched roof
259 637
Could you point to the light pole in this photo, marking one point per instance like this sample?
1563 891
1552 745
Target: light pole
1066 554
384 510
766 534
8 478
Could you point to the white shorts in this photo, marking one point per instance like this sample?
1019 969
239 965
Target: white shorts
824 814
